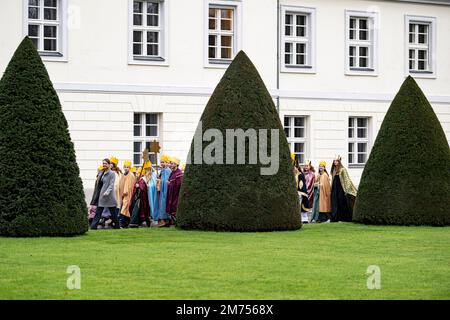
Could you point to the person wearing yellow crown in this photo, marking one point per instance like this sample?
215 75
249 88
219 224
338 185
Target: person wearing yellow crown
308 171
139 207
321 210
173 188
152 190
118 173
126 191
343 192
163 216
96 194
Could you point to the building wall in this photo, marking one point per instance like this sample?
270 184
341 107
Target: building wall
100 90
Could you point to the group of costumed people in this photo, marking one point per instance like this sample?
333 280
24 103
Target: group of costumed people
135 196
324 199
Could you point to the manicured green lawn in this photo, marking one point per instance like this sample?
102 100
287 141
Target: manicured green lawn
327 261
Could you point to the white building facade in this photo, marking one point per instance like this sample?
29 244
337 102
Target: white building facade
130 72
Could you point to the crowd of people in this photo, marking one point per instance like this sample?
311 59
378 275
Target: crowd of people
324 199
144 196
148 195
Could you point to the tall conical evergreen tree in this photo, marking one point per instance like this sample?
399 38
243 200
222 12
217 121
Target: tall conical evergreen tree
406 180
236 197
41 193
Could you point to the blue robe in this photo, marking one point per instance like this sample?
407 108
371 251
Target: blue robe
162 213
153 197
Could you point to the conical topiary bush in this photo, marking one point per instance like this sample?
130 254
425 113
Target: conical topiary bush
41 193
406 180
238 197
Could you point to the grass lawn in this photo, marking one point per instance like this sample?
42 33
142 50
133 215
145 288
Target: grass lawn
325 261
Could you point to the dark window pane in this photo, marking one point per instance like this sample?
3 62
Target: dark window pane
212 12
288 30
362 147
362 158
137 36
226 53
225 41
137 118
152 157
147 145
50 14
212 24
33 30
411 27
137 19
363 62
363 51
352 62
422 38
422 28
300 31
363 24
350 157
300 60
137 147
137 7
421 65
350 147
362 122
152 20
152 49
301 20
287 59
411 54
212 40
300 48
298 147
152 7
352 23
152 37
301 158
411 38
299 132
33 13
350 133
351 122
50 31
33 2
351 51
137 49
289 19
151 118
286 132
351 34
50 3
286 121
137 131
411 64
299 121
288 47
137 159
362 133
212 52
363 35
49 44
151 131
225 24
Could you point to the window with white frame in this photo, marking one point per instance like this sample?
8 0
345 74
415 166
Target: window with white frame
148 30
361 42
295 130
45 27
145 130
297 39
358 140
221 33
420 44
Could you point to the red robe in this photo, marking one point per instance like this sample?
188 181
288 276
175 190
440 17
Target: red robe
173 191
310 179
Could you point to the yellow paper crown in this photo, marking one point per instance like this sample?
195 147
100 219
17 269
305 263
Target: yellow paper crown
174 160
127 163
165 157
133 170
141 171
293 156
322 163
147 164
100 168
114 160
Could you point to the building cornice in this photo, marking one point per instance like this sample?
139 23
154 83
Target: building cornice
206 92
431 2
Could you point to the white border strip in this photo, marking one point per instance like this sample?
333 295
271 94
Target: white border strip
206 92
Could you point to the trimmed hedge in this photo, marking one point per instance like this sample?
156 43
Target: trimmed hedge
406 180
236 197
41 193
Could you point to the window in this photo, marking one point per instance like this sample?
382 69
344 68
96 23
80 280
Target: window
222 32
145 130
148 28
45 25
297 34
295 130
361 39
358 140
420 45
